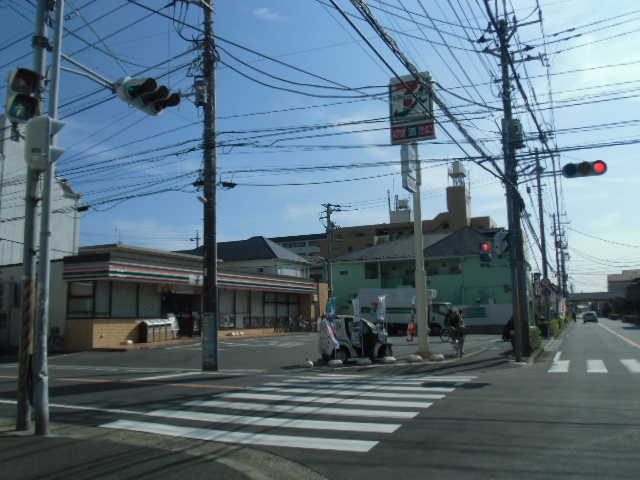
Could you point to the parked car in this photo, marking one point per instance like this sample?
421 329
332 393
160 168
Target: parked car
589 317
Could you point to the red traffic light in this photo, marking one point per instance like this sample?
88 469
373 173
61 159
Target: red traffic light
146 94
584 169
485 247
599 167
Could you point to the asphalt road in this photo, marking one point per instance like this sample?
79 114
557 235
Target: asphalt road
572 414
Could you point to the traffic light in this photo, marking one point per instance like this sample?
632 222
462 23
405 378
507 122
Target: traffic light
38 151
485 254
584 169
500 242
146 94
22 95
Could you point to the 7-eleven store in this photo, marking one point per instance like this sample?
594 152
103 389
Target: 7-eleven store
113 289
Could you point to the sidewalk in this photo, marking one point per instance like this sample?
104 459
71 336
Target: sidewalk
249 332
81 453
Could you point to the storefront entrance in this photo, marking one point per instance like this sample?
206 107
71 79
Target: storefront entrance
186 308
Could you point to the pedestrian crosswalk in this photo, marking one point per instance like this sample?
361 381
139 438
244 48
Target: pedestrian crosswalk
629 365
324 412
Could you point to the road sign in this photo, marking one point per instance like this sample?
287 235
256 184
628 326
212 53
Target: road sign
546 291
545 282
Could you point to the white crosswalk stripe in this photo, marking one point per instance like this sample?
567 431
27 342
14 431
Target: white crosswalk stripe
280 413
632 365
592 366
596 366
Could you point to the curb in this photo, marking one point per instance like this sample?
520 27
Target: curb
254 464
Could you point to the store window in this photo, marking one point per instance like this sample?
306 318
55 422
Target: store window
124 300
81 299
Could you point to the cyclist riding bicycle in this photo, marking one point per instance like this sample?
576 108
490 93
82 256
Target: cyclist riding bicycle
456 329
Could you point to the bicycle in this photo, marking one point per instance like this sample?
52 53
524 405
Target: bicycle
457 349
444 334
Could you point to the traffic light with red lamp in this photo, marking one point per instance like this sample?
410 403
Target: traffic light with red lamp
23 102
146 94
485 254
584 169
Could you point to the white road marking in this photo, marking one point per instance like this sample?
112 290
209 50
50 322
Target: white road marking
353 392
324 400
278 422
297 409
360 446
596 366
560 366
632 365
162 377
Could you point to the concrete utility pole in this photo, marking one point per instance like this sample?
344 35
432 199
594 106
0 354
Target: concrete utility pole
210 324
28 303
329 209
543 241
511 137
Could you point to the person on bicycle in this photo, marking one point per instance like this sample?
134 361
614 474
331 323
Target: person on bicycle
456 328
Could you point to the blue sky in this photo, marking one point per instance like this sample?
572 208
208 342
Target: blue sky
303 117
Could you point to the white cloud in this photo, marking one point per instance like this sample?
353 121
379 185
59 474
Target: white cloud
265 14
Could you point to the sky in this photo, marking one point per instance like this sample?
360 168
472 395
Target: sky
303 118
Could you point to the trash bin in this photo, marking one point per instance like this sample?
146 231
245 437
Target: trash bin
143 334
164 331
155 325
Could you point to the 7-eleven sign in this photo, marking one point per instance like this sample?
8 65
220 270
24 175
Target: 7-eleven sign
411 109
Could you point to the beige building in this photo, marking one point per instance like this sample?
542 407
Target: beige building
350 239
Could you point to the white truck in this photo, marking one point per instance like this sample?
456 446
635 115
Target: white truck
398 303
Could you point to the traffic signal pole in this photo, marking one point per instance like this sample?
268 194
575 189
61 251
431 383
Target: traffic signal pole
40 364
28 304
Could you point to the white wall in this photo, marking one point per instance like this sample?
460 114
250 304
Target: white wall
65 219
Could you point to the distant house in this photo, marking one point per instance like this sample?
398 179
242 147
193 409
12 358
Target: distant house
260 255
452 266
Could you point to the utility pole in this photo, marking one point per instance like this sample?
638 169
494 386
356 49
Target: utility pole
210 324
543 241
512 139
329 209
196 239
28 300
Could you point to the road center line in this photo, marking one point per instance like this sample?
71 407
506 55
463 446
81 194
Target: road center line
629 341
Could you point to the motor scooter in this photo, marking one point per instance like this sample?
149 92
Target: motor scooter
345 338
506 332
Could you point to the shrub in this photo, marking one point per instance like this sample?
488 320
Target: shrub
614 316
535 337
544 328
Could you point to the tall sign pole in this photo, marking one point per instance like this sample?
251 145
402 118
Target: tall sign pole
210 323
409 156
412 120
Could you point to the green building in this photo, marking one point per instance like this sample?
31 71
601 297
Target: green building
452 264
